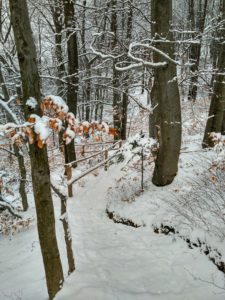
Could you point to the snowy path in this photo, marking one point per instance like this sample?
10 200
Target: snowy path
113 261
120 262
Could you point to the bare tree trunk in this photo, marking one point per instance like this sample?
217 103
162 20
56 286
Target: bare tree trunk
215 121
0 18
39 159
23 175
115 81
154 117
195 52
67 235
3 86
166 94
72 51
124 115
126 79
57 12
223 125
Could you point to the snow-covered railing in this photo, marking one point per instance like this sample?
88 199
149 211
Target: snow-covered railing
68 166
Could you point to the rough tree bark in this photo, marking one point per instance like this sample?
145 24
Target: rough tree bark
57 13
165 92
39 159
126 79
215 121
115 77
195 50
72 53
3 86
67 234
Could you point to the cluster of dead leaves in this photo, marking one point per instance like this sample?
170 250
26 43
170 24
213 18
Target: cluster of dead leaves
56 117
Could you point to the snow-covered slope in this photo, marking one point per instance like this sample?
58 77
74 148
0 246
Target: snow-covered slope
113 261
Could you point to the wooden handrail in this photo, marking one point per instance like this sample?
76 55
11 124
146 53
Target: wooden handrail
84 158
93 155
68 167
74 179
95 143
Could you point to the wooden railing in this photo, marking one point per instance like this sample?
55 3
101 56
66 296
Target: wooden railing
105 152
92 144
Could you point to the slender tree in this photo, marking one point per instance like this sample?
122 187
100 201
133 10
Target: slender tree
215 121
72 54
197 21
39 159
57 16
125 96
115 76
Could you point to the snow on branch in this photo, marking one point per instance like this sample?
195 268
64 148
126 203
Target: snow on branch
6 206
99 53
141 62
12 117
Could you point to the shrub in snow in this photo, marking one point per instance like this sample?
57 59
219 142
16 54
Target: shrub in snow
135 146
204 206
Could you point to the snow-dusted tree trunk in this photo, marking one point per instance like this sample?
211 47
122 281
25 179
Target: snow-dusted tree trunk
215 121
115 76
165 92
57 16
126 79
66 228
3 86
72 54
39 159
197 22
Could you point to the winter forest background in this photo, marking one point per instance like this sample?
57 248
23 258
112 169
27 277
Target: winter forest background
112 142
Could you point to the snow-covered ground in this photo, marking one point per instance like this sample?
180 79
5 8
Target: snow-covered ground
115 261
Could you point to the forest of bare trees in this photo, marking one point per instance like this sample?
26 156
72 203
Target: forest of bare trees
96 55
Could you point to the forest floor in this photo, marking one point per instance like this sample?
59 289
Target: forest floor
115 261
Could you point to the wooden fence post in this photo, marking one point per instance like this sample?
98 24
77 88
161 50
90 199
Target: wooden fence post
106 157
69 176
83 150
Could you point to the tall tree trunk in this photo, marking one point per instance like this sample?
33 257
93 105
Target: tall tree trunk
67 234
72 53
3 86
23 175
39 159
126 79
115 80
57 12
166 94
0 18
195 50
223 124
215 120
154 116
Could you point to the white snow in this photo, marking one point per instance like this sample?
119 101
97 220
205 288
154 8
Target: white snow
69 135
41 127
31 102
113 261
59 102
